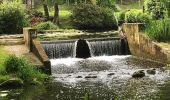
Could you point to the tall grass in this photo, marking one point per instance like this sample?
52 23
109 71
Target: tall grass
159 30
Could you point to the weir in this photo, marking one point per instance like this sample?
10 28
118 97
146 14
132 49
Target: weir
86 48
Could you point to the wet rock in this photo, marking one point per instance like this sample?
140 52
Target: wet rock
151 71
162 69
91 77
110 74
82 50
79 77
138 74
12 83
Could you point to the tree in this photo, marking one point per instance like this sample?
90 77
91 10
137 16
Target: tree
56 10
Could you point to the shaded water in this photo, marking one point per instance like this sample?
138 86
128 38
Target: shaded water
103 78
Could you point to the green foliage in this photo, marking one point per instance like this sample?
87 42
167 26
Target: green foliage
12 17
92 17
13 64
121 16
108 3
22 69
156 8
136 16
167 4
159 30
4 78
45 26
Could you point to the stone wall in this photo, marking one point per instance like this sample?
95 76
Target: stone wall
35 46
38 50
142 46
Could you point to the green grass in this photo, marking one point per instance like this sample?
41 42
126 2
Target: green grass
134 5
75 35
3 56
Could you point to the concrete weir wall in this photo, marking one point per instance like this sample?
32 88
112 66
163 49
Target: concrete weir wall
35 46
142 46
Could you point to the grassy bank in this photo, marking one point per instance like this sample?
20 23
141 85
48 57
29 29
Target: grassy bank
75 35
3 56
17 71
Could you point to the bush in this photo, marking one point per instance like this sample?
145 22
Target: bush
167 4
22 69
156 8
121 16
45 26
12 17
136 16
159 30
92 17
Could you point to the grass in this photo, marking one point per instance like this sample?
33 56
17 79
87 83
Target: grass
159 30
131 5
3 56
75 35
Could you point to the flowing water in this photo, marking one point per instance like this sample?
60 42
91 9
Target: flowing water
100 77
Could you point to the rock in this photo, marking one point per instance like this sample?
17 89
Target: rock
82 49
91 77
151 71
110 74
79 77
12 83
138 74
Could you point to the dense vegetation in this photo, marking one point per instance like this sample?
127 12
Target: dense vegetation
159 30
15 67
12 17
93 17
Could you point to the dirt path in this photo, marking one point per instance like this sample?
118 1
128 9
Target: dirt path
22 51
18 50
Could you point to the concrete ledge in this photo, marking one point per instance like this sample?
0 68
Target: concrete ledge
72 41
38 50
35 47
142 46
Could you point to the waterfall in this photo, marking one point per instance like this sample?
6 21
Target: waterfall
110 47
84 49
59 50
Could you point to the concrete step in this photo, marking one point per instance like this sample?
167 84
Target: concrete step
11 41
11 36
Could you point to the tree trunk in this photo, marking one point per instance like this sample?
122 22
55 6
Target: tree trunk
46 11
56 14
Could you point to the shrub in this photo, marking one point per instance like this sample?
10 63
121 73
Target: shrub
22 69
121 16
167 4
45 26
12 17
159 30
136 16
92 17
156 8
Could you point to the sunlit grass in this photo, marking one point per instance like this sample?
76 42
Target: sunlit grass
134 5
3 56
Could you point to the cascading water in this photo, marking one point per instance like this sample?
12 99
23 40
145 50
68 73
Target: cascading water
85 49
110 47
59 50
107 77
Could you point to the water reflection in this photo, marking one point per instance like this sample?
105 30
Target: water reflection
103 78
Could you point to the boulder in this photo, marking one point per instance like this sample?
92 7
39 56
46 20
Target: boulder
79 77
110 74
138 74
90 76
151 71
82 50
12 83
